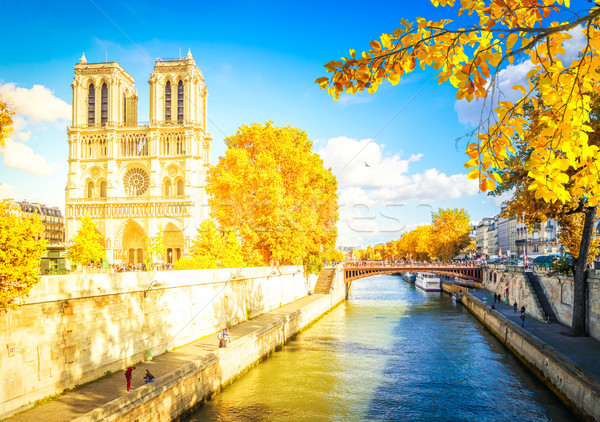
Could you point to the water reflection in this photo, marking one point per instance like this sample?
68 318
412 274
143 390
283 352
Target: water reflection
392 352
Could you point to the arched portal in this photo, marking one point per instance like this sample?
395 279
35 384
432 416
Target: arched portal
173 241
134 243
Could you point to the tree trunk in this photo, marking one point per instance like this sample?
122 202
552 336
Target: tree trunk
579 324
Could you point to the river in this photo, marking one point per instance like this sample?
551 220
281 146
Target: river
391 352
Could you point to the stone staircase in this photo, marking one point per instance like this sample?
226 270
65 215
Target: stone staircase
323 285
543 301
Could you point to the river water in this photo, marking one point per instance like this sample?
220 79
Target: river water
392 352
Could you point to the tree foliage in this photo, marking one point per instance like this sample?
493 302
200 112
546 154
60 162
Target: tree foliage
273 192
20 253
446 237
156 247
450 231
562 162
6 121
213 248
86 247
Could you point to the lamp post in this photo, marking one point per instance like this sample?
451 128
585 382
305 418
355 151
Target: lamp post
154 283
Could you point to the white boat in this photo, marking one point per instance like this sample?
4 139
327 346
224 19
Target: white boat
428 281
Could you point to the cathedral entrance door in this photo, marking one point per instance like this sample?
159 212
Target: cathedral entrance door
134 242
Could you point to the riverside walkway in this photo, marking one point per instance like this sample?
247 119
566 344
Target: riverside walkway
584 352
100 392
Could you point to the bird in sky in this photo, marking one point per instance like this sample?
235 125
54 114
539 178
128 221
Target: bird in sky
366 165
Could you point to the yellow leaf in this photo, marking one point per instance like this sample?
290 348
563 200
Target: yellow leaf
511 40
473 174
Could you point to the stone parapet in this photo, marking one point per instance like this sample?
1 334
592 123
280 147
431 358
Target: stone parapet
569 381
73 329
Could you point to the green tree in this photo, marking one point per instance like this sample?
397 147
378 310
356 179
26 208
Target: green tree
213 248
86 247
156 247
20 253
274 193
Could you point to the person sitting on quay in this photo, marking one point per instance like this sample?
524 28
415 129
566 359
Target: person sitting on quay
148 377
223 337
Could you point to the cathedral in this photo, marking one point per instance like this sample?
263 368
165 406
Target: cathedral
135 179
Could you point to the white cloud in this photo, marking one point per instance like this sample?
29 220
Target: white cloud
7 191
499 200
367 177
38 103
474 112
34 106
19 156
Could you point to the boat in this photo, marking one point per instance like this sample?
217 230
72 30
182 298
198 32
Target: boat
456 297
408 277
428 281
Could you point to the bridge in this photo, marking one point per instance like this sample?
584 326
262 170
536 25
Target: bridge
465 271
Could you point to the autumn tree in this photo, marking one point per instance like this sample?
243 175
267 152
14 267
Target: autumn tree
273 191
576 219
6 121
562 161
20 254
86 247
156 247
450 232
213 248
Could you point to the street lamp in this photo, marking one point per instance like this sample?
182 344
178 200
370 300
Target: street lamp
153 284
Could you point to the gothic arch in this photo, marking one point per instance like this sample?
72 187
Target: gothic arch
131 240
174 242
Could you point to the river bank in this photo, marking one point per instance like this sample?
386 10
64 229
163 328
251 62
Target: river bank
568 366
186 376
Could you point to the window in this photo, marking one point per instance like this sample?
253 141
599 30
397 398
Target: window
103 190
168 102
180 102
104 104
167 188
91 105
90 190
180 187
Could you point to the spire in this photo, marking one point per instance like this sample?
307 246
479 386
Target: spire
189 55
83 60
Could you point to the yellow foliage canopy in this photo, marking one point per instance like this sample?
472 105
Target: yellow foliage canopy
470 57
6 122
274 193
20 253
86 246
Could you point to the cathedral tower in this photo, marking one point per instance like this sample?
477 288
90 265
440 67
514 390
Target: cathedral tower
135 180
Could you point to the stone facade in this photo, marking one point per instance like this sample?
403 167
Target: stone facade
74 328
52 220
558 290
133 179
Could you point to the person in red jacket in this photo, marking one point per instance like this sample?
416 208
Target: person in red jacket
128 376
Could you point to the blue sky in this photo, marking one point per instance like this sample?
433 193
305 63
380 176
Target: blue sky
259 60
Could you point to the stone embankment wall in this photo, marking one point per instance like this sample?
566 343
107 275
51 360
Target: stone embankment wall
73 329
568 380
186 388
558 290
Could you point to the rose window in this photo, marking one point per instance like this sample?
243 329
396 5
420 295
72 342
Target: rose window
136 182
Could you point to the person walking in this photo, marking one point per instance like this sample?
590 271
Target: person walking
128 373
523 319
495 297
515 307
